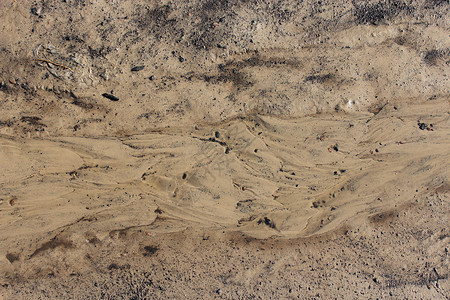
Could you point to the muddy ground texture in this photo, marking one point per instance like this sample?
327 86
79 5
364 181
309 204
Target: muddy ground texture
224 149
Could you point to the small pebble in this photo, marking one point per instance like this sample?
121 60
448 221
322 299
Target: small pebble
36 10
110 97
422 126
136 69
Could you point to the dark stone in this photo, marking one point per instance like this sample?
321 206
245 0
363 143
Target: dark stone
422 126
35 10
138 68
110 97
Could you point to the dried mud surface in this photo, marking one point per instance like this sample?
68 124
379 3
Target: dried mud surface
229 149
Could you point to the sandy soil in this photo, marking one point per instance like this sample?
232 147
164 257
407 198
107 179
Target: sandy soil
229 149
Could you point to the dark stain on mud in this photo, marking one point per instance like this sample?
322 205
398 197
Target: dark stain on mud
234 72
268 222
32 120
206 33
150 250
207 24
433 56
52 244
319 78
12 257
157 21
378 13
383 217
